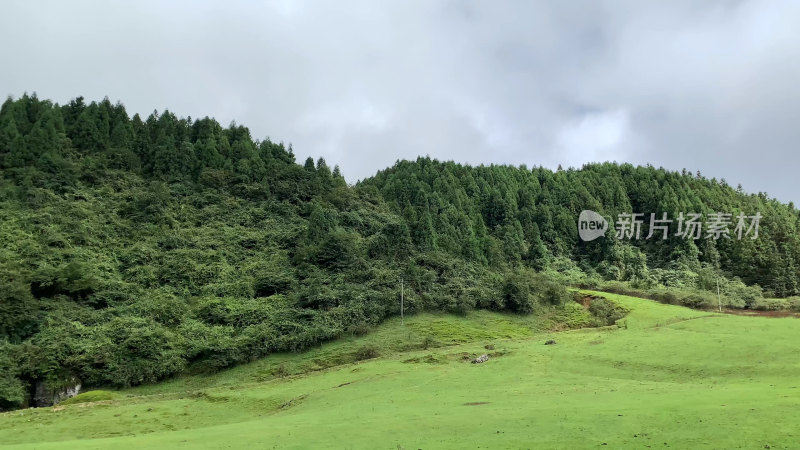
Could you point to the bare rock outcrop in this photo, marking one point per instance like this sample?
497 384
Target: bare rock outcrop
480 359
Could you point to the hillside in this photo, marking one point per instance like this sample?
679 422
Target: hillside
138 249
513 215
710 386
133 250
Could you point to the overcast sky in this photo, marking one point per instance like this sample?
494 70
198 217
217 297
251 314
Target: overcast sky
702 85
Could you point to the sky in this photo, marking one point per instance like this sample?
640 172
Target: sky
702 85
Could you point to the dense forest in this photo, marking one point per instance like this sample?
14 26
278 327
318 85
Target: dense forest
134 249
504 216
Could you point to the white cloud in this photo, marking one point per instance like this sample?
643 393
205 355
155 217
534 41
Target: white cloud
597 136
703 85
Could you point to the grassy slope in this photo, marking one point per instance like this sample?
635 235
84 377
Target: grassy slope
672 377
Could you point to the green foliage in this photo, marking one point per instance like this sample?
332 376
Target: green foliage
509 216
129 350
551 293
607 312
136 248
623 387
775 304
524 289
19 311
691 297
272 276
574 315
90 396
517 296
12 389
366 352
162 307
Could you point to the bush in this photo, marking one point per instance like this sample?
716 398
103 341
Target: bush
428 342
210 347
90 396
162 307
741 295
358 329
606 312
551 293
517 294
12 389
253 311
488 292
692 298
273 276
213 310
366 352
772 304
457 299
566 272
574 315
128 351
697 300
20 312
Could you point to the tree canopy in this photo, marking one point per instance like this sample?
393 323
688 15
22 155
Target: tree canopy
134 249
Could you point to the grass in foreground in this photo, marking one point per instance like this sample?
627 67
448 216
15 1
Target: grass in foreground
668 377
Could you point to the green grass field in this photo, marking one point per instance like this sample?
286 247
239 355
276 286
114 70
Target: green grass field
667 377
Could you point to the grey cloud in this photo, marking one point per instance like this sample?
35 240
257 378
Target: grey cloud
707 86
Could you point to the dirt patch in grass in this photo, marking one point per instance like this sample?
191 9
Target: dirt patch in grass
587 300
758 313
293 402
475 403
427 359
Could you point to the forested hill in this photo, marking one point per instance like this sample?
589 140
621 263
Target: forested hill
134 249
508 216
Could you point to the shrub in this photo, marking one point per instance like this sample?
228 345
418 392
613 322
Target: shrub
19 310
281 371
239 288
428 342
747 295
128 351
692 298
459 302
358 329
574 315
488 292
272 276
606 312
565 271
163 307
551 293
213 310
212 347
366 352
516 294
696 300
771 304
667 296
90 396
12 389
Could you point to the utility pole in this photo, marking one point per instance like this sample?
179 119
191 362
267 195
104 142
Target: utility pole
719 301
402 292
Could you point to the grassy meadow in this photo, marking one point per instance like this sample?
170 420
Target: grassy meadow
664 377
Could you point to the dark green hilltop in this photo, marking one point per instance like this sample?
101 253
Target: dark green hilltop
136 249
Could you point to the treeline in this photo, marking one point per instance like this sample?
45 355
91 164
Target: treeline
504 216
134 249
